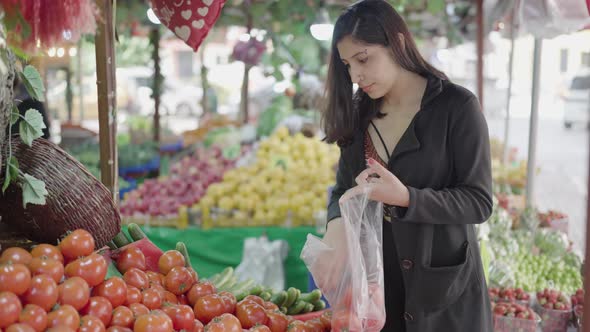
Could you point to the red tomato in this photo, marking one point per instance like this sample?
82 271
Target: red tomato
100 307
169 298
344 320
16 255
60 329
209 307
170 259
250 314
10 308
269 306
260 328
119 329
43 292
48 266
179 280
123 316
277 322
183 317
156 321
34 316
224 323
155 278
195 275
92 268
297 326
139 309
133 295
49 251
114 289
136 278
91 324
15 278
326 319
75 292
254 298
314 325
198 290
182 299
20 328
198 326
77 244
230 302
151 299
130 257
65 315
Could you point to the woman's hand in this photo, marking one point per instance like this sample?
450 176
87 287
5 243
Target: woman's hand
385 187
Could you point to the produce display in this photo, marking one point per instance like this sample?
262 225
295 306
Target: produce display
554 300
509 177
134 286
184 186
287 183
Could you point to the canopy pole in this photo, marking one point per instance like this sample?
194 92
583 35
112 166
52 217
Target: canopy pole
107 114
506 149
534 122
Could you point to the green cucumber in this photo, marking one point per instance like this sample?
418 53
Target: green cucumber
279 298
229 284
265 296
292 296
224 277
112 271
112 245
284 310
121 240
256 290
135 232
307 308
214 278
181 247
319 305
243 287
311 297
296 308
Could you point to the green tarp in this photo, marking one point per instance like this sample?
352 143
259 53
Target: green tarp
213 250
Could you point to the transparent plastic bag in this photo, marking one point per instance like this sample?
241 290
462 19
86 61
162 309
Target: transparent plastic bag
351 276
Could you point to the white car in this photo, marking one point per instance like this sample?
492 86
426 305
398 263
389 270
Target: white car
576 100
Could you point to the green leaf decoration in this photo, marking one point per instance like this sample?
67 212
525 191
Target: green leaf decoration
31 127
33 82
11 173
34 191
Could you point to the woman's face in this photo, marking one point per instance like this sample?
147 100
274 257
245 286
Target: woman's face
371 67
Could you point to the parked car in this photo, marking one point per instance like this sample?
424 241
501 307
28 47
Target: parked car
576 100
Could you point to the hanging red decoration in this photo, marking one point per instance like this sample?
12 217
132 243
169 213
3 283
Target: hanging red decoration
190 20
45 23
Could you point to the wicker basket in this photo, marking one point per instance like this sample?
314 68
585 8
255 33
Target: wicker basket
76 198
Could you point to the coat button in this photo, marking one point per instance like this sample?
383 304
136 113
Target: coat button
408 317
407 264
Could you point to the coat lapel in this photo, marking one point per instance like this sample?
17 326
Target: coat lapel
408 142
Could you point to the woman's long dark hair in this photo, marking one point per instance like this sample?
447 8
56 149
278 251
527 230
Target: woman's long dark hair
371 22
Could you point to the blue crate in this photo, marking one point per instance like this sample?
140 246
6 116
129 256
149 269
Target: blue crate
311 286
172 147
132 186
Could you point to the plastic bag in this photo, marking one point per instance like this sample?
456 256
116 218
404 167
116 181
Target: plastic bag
351 276
262 261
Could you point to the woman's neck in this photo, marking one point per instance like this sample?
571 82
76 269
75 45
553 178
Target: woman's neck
406 92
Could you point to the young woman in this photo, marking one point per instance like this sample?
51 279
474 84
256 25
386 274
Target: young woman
421 144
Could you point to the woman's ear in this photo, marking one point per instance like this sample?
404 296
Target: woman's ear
402 41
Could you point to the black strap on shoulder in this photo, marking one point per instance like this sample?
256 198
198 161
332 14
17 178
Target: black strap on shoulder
382 141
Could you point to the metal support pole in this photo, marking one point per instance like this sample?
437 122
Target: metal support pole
79 81
587 253
534 121
509 92
480 51
107 113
